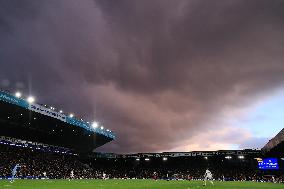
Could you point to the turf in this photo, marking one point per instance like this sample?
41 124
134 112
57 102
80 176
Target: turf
130 184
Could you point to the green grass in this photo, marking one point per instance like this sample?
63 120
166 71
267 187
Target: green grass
130 184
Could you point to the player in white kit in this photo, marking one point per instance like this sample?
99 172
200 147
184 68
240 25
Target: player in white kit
104 176
208 176
44 175
71 175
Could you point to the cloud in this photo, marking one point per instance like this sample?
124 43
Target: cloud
254 142
158 73
215 139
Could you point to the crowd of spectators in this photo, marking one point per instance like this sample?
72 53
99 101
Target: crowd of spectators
185 169
38 164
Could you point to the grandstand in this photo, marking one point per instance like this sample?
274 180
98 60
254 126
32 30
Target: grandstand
275 146
26 121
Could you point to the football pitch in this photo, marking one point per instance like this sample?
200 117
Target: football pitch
130 184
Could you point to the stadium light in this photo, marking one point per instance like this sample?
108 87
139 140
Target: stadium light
102 127
61 111
95 124
71 115
165 158
18 94
107 130
30 99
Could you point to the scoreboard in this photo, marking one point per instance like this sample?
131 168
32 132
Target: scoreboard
268 164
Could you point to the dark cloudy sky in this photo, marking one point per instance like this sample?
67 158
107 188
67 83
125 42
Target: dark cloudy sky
165 75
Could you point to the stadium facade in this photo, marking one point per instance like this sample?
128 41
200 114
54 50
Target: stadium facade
275 146
31 122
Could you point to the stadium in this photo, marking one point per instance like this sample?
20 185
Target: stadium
49 145
141 94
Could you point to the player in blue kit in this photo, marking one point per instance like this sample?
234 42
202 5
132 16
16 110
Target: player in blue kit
14 172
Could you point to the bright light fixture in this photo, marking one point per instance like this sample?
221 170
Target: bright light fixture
71 115
61 111
95 124
30 99
18 94
102 127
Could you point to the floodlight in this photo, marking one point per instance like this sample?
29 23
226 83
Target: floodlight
71 115
30 99
18 94
95 124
